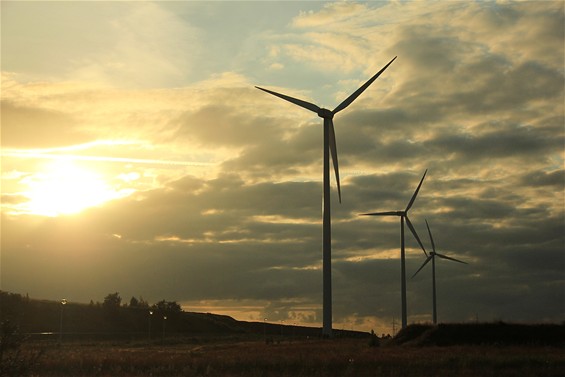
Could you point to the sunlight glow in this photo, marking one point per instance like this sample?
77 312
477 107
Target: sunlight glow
65 188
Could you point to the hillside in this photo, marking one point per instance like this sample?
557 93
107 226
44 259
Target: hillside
42 319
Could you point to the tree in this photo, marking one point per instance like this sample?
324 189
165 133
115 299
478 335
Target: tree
374 340
169 308
112 302
142 303
138 303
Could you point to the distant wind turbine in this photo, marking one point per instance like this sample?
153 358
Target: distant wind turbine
431 257
329 147
404 216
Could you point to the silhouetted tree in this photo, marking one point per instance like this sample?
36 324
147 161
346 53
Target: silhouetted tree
112 303
138 303
169 308
374 340
142 303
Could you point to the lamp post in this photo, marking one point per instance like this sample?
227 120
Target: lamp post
149 323
164 325
63 303
293 330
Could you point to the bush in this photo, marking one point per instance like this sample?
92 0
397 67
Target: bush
14 362
374 340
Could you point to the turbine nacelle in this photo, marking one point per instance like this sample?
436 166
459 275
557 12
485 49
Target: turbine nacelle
325 113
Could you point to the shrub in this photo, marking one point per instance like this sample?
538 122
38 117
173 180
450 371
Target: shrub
14 362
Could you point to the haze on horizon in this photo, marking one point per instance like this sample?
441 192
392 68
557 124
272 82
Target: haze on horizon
138 157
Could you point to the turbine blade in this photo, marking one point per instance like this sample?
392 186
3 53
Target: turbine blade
431 238
416 192
333 151
296 101
453 259
390 213
358 92
411 227
422 266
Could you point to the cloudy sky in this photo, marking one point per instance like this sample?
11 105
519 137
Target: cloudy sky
138 157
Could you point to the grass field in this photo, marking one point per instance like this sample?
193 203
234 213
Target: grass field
339 357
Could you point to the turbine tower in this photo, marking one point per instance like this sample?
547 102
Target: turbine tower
431 257
329 147
404 217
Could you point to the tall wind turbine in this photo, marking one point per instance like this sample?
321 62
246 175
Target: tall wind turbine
431 257
404 216
329 147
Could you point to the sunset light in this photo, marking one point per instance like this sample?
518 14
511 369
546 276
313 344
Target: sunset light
65 188
139 156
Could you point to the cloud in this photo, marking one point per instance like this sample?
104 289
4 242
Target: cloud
331 13
30 127
540 178
140 45
475 96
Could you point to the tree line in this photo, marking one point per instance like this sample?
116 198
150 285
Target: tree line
113 302
109 316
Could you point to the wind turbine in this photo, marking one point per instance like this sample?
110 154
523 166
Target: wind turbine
329 147
404 216
431 257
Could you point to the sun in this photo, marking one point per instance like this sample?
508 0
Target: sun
63 188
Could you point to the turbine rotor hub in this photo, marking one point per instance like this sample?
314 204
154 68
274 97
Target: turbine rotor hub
326 114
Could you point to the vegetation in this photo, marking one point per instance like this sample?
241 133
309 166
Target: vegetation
341 357
498 333
14 362
113 320
125 340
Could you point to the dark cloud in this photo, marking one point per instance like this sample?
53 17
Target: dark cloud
221 125
506 86
279 157
541 178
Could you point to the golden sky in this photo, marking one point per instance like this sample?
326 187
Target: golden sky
138 157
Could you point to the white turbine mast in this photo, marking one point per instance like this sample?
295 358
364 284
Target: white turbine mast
329 147
431 257
404 216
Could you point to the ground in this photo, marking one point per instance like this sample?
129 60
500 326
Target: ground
290 357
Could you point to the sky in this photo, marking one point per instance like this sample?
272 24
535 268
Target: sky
138 157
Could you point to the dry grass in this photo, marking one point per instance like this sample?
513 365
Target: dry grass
299 358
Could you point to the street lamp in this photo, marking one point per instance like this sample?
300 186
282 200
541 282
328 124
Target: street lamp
149 323
164 324
63 303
